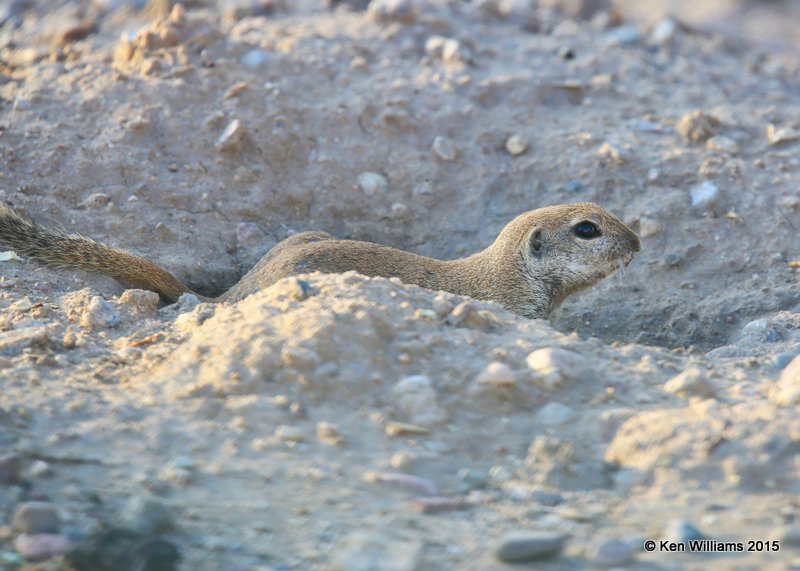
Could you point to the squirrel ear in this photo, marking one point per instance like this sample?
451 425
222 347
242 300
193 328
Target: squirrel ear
536 243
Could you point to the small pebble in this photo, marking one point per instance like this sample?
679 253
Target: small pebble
328 433
625 35
392 10
499 474
453 52
40 469
231 139
780 135
555 413
614 152
23 304
9 256
645 126
394 428
290 433
554 365
407 481
398 210
762 330
444 149
516 145
415 397
300 358
577 9
693 382
681 531
704 194
99 314
139 301
573 186
523 546
37 517
403 461
664 31
371 183
97 200
697 126
466 314
610 553
254 58
179 472
41 546
438 504
434 46
723 144
497 375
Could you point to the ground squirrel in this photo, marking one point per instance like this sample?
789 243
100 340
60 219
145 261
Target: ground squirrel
537 260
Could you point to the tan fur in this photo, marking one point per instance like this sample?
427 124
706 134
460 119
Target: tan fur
526 280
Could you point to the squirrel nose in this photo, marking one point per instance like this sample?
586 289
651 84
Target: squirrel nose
634 242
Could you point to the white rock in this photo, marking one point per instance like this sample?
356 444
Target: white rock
555 413
231 138
664 31
516 145
614 152
691 382
723 144
96 200
444 149
328 433
497 375
23 304
254 58
704 194
372 183
9 256
554 365
392 10
290 433
99 314
778 135
453 51
139 300
416 398
624 35
434 46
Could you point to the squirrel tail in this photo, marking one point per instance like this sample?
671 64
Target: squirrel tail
57 248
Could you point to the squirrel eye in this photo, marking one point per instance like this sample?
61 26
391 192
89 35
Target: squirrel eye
586 230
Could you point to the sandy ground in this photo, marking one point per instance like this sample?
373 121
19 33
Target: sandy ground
362 424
